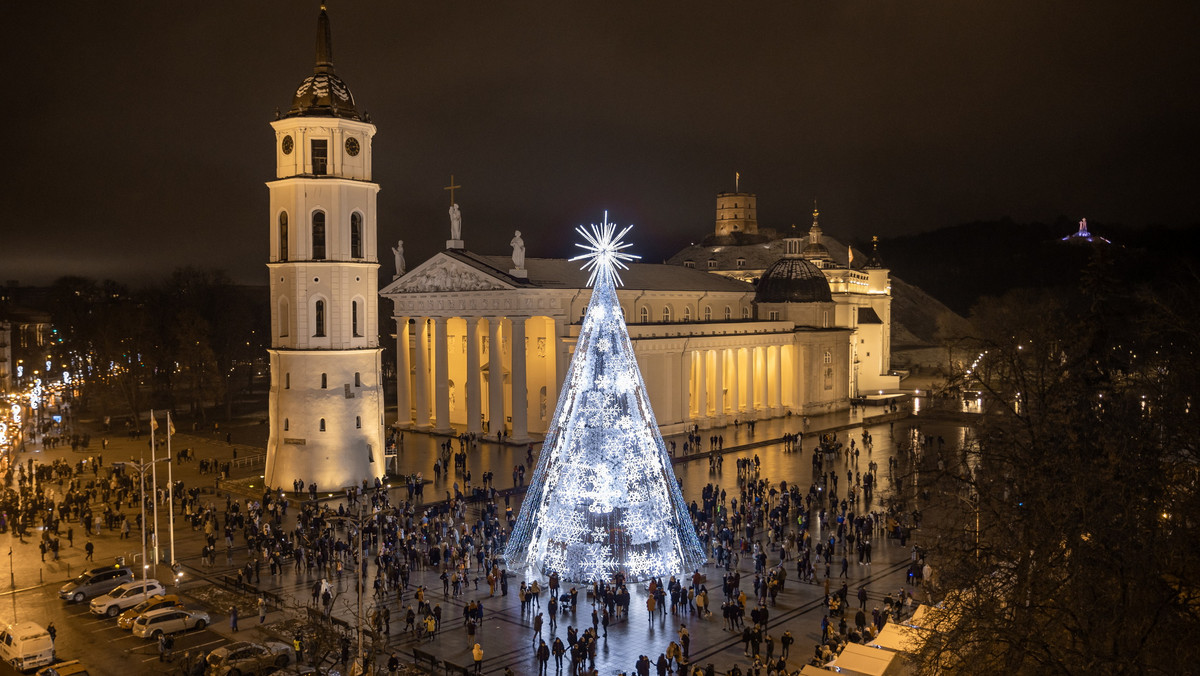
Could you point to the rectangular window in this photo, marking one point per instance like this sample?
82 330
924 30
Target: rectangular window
320 157
773 315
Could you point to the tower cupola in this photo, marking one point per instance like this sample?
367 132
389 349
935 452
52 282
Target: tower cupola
323 93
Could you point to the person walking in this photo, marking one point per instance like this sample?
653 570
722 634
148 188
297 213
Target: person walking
262 609
233 619
559 649
543 658
90 549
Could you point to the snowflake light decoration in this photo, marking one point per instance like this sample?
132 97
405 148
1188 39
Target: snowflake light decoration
603 498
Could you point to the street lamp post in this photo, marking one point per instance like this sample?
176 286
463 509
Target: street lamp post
359 522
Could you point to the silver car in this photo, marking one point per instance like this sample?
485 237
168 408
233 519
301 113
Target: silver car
243 657
95 582
169 621
126 596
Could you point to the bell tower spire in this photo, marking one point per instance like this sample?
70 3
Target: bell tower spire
324 43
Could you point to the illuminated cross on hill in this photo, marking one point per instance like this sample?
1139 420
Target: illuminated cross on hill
452 188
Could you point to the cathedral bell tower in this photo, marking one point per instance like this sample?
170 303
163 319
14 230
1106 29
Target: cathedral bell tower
326 398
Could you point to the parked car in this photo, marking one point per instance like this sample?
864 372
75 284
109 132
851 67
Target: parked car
243 657
168 621
125 621
26 645
72 668
95 582
125 596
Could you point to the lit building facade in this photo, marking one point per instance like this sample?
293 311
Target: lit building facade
862 296
326 398
480 349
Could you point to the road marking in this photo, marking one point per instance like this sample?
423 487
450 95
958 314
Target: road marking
204 644
120 638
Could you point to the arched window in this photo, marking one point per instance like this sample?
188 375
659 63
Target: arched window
666 313
708 313
728 313
285 424
322 424
319 320
318 236
354 319
287 381
357 379
285 319
356 236
644 315
357 422
746 312
283 236
324 380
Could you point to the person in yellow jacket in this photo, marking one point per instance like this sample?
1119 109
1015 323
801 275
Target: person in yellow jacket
477 653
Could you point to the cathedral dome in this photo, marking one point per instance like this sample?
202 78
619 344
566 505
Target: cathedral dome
793 280
323 94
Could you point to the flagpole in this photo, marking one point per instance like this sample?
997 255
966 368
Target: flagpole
154 488
170 488
142 487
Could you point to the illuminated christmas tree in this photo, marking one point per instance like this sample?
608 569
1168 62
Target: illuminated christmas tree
604 498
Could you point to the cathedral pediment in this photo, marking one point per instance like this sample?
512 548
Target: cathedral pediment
442 273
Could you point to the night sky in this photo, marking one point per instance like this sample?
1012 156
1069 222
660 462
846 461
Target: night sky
141 138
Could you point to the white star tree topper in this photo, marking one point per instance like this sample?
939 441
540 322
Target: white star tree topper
605 252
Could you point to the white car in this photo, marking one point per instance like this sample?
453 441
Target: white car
126 596
168 621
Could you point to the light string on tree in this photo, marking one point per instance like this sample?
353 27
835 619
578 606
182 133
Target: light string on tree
603 498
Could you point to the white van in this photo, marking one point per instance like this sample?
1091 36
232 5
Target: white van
26 646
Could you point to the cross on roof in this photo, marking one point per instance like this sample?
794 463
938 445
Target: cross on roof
452 187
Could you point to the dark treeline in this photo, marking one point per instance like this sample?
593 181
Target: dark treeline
190 342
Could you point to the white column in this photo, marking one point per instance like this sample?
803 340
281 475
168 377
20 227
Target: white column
687 362
495 377
735 382
562 358
719 387
422 374
441 376
702 387
520 395
751 382
776 379
473 404
403 374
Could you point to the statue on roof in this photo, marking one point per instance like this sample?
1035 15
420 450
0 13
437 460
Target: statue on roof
455 222
518 254
398 252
